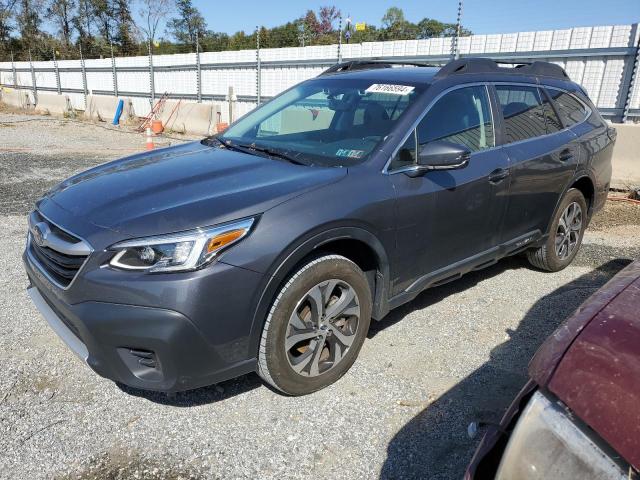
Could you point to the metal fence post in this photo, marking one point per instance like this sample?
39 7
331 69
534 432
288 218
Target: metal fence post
198 69
114 72
232 104
632 79
152 87
15 75
33 80
84 76
340 40
455 52
258 67
57 70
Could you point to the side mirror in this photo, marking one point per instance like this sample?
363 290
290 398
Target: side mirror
440 155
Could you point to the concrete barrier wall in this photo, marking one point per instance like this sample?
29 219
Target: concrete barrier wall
626 156
51 104
189 117
16 98
103 108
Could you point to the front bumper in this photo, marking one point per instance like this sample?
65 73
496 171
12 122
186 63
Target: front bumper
153 347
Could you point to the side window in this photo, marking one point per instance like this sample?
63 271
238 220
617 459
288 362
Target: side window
524 114
462 116
570 108
551 120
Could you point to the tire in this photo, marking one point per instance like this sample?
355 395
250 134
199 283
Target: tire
551 256
316 326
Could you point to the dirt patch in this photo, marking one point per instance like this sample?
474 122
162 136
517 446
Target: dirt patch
616 214
120 464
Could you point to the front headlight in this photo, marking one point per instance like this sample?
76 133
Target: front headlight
548 444
178 252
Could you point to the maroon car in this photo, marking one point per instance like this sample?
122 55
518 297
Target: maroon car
578 417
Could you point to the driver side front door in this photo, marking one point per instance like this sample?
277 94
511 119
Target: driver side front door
448 218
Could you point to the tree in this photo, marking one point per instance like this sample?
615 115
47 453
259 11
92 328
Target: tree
428 28
6 15
29 21
60 12
101 12
152 12
189 25
125 29
327 15
392 18
396 27
82 22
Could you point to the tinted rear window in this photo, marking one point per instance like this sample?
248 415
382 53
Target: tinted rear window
570 108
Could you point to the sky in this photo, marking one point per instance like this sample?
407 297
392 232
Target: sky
481 16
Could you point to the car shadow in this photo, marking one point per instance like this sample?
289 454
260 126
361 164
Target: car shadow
435 443
199 396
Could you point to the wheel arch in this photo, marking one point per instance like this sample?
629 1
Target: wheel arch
584 182
355 243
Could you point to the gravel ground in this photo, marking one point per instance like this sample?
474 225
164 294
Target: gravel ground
456 354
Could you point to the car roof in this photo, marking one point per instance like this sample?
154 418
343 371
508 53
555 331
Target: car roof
401 74
462 70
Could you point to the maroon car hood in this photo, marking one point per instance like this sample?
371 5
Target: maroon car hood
592 363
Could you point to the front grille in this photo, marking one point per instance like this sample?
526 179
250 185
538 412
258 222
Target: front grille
60 267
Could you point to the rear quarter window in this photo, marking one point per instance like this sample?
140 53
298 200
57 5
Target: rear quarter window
569 107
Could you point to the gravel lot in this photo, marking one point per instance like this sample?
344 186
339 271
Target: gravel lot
456 354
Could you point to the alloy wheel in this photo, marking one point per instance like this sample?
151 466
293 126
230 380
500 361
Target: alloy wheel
322 327
568 231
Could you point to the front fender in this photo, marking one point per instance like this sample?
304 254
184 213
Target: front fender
303 247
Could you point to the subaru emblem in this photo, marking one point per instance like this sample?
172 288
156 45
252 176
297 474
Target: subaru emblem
39 233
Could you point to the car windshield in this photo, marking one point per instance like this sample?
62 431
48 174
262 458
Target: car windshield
326 122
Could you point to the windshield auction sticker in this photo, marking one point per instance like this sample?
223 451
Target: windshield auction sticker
389 88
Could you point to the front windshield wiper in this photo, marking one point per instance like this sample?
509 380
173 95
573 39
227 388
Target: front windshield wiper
272 153
252 148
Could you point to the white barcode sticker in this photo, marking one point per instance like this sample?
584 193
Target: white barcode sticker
389 88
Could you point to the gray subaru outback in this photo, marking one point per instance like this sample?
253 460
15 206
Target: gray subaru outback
270 247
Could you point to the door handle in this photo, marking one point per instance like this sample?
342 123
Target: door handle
565 155
498 175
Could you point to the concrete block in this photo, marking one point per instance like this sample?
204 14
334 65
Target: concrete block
103 108
16 97
626 156
51 104
189 117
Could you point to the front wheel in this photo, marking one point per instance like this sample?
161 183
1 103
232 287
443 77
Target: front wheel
565 234
316 326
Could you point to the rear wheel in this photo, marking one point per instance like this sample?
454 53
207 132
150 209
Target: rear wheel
316 326
565 234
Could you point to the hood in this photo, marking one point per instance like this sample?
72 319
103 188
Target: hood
595 371
183 187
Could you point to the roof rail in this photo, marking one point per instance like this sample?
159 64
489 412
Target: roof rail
369 65
487 65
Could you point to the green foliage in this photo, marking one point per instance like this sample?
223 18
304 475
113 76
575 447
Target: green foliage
96 26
